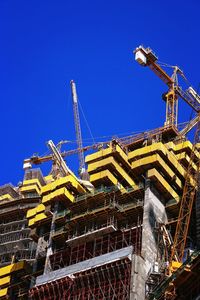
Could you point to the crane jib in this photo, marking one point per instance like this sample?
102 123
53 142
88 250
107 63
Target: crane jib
188 99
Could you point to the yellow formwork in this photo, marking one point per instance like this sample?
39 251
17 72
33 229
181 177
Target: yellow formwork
159 148
107 152
33 211
110 163
37 214
31 185
32 181
3 292
31 222
38 218
6 197
12 268
30 188
173 159
186 146
5 280
122 153
145 151
182 146
98 155
40 208
181 152
60 194
198 146
48 178
103 177
156 161
100 176
182 156
162 185
5 275
170 146
67 180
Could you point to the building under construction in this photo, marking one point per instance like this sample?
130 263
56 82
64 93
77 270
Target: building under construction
127 227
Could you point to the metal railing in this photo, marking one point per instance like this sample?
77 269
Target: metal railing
19 206
14 237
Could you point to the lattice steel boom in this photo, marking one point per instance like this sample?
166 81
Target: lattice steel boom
77 128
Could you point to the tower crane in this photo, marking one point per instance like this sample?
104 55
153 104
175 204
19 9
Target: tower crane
57 156
124 141
146 57
82 168
36 160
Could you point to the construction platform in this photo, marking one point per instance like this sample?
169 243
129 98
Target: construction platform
67 242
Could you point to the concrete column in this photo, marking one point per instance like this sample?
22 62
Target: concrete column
154 211
35 264
138 277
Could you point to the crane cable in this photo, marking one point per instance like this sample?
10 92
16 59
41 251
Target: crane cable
87 124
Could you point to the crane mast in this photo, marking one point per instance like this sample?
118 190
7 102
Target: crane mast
82 169
189 191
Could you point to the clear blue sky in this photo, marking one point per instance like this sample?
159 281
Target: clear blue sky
46 43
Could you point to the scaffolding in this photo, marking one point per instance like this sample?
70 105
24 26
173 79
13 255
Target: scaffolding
110 281
8 189
34 174
15 241
98 246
